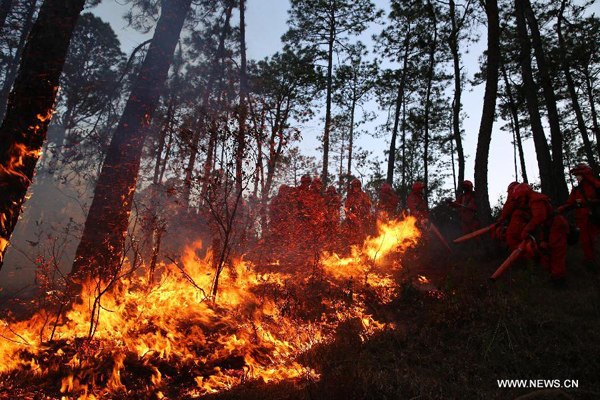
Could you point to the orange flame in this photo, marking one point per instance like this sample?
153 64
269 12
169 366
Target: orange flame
245 336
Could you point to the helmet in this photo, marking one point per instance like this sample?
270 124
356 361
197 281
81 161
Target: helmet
418 186
521 190
316 183
386 187
467 185
331 190
581 169
511 187
355 184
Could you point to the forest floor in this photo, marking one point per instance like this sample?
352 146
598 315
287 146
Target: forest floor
452 338
457 341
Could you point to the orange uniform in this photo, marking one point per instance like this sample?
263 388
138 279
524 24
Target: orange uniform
516 217
549 230
359 220
467 208
388 202
415 202
585 197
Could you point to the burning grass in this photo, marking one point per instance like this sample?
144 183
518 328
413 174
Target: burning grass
170 339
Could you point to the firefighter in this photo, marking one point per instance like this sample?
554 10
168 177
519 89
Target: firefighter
333 204
585 199
317 213
358 221
467 208
513 219
416 203
547 228
303 233
387 207
280 215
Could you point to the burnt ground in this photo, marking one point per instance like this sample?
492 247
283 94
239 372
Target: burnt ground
454 338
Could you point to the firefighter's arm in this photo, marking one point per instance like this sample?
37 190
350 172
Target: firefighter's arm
538 216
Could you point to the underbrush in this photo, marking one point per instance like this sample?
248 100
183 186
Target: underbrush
458 341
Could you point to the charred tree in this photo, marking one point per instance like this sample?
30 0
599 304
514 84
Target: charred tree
489 110
102 243
30 107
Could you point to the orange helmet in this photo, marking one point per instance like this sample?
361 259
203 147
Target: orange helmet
316 183
581 169
467 185
386 187
521 190
305 180
418 186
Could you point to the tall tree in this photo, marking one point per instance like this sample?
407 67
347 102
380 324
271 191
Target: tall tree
561 192
30 106
325 25
566 68
353 83
399 41
101 246
431 52
489 109
12 68
457 23
243 108
5 7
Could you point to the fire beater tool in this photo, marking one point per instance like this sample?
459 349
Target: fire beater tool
436 232
512 258
476 233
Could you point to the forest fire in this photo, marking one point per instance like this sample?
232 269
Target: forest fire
151 337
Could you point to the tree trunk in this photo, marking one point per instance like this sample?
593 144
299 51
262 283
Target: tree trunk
243 112
489 109
216 70
430 75
101 246
166 126
5 7
399 104
587 145
514 112
30 106
456 103
325 174
11 73
351 139
542 150
590 93
561 192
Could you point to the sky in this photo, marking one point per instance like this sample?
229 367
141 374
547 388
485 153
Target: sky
266 22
